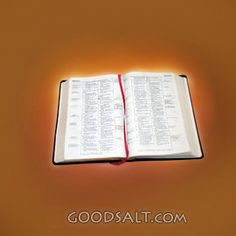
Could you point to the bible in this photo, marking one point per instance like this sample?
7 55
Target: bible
135 116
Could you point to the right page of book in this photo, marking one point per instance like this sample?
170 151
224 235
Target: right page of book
154 120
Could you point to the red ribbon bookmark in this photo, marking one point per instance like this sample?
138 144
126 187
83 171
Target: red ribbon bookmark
125 137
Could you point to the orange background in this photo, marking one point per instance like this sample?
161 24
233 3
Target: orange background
43 42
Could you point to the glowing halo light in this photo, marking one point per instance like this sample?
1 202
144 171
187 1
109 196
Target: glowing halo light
74 77
204 107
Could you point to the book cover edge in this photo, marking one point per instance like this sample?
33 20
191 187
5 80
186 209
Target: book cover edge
194 116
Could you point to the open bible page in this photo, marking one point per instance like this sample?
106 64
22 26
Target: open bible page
94 128
153 115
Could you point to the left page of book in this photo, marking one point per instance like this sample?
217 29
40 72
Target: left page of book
95 119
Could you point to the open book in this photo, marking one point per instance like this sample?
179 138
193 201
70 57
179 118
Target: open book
139 115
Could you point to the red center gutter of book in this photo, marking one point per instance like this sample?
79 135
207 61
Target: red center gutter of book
125 137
